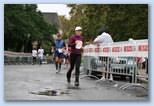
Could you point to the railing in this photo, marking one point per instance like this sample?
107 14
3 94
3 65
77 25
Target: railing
17 58
128 59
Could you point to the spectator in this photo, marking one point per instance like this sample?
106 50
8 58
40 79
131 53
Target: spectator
103 37
40 54
34 55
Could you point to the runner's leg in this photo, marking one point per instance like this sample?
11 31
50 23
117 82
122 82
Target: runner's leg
33 60
77 69
72 63
67 62
40 61
56 62
60 62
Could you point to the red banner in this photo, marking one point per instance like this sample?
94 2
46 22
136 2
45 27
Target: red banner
106 49
116 49
128 48
97 50
143 48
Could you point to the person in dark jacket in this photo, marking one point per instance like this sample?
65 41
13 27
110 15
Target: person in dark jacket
76 44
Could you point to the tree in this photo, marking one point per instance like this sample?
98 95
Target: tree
123 21
23 23
128 21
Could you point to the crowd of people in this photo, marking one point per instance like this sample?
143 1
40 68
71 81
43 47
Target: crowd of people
69 52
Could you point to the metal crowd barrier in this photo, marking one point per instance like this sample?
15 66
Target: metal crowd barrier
13 58
127 60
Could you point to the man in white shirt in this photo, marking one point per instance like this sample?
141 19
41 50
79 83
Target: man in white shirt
40 54
103 37
34 55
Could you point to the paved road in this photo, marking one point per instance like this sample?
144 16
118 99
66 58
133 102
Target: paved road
21 80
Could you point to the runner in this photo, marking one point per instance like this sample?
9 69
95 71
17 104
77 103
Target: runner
66 55
66 58
34 55
58 48
76 43
40 54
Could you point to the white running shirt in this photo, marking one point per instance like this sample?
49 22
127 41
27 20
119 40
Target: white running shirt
34 53
40 52
103 38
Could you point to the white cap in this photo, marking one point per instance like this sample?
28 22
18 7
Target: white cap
78 28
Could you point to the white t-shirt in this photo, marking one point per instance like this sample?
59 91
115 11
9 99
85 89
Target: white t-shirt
34 53
103 38
40 52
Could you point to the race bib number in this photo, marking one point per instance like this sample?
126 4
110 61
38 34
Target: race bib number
78 44
60 50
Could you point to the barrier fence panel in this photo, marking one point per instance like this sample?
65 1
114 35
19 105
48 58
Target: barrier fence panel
127 59
23 58
17 58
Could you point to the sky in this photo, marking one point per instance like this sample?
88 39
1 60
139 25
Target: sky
61 9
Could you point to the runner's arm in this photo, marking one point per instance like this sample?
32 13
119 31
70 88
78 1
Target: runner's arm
64 46
71 42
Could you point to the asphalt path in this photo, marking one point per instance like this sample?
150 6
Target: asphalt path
37 82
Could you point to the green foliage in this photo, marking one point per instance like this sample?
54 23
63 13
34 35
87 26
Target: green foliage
23 24
128 21
123 21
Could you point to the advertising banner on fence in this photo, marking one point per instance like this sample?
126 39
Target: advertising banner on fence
137 48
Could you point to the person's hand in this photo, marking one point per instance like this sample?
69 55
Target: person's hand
63 49
76 42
